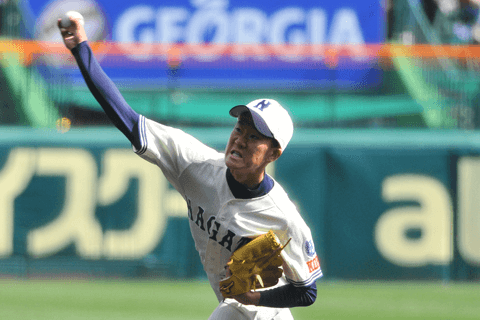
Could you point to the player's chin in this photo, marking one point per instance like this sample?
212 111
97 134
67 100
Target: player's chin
233 162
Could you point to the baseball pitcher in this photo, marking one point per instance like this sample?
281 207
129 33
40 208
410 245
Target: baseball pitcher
256 249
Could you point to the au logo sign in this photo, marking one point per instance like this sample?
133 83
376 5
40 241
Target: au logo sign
433 216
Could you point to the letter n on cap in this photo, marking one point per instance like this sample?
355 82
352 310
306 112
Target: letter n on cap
262 105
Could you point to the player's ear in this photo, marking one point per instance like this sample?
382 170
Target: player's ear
275 153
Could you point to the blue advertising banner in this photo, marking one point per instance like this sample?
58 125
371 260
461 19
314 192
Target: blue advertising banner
249 29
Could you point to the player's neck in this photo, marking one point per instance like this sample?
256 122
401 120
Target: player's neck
251 181
241 191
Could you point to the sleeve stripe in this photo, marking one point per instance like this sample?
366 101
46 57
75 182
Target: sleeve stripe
143 135
316 275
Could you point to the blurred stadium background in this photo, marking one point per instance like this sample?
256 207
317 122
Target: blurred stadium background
384 163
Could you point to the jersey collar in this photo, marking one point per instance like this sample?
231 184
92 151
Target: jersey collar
240 191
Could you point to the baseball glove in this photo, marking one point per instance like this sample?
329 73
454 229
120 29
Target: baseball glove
256 264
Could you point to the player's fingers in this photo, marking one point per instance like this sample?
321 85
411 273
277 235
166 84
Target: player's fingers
74 23
62 28
66 34
63 31
74 33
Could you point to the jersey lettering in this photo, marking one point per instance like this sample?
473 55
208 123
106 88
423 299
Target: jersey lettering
313 264
189 205
199 221
227 239
213 230
262 105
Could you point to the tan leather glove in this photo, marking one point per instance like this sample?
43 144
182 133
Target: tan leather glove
255 265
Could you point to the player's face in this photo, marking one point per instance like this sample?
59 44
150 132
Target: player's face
248 152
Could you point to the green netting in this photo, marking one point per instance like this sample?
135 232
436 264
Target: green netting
445 87
30 92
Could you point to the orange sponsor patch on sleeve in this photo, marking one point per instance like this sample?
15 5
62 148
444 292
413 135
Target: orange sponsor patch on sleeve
313 264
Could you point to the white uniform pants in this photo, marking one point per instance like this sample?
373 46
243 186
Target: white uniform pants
232 310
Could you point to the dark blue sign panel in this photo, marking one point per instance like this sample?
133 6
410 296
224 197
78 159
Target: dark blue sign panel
252 22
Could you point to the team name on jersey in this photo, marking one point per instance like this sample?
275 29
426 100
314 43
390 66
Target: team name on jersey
225 237
313 264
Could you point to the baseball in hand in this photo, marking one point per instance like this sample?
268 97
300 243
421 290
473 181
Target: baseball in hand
65 23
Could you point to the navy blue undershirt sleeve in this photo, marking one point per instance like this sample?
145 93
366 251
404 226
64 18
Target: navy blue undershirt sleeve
289 296
106 93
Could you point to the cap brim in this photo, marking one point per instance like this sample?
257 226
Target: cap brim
238 110
260 124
